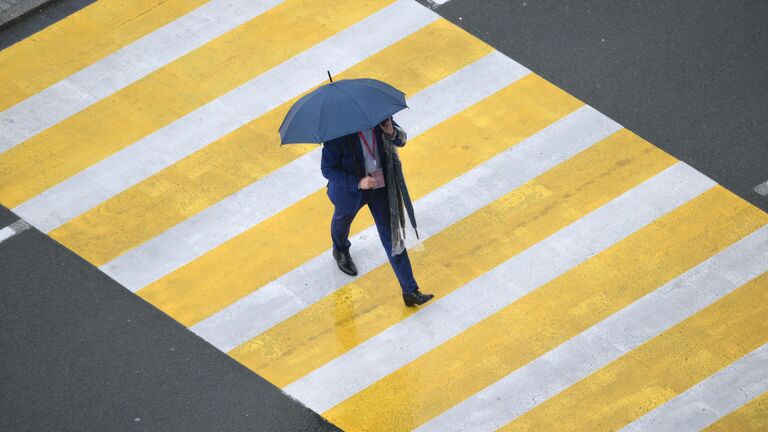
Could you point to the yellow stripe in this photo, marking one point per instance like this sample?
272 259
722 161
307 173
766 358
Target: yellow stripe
171 92
252 151
752 417
660 369
452 258
254 258
79 40
556 311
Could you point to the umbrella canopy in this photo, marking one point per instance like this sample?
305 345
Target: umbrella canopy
340 108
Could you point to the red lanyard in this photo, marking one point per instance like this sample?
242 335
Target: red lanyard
365 142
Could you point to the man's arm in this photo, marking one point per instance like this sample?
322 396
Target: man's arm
330 166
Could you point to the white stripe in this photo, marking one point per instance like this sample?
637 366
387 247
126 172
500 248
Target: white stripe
708 401
210 122
405 341
6 233
233 215
441 208
13 229
608 340
126 65
762 188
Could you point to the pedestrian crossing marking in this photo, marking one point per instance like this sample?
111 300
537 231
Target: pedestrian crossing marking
249 153
452 314
176 187
235 214
171 92
702 404
71 44
221 116
459 254
312 280
752 417
660 369
239 266
125 66
554 312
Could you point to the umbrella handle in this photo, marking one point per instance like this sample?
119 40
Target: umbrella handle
329 76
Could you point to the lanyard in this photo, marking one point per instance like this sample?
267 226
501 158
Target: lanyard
365 142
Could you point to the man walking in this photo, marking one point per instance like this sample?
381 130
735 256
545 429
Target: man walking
358 169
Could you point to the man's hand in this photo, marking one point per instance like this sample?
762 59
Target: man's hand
387 127
367 182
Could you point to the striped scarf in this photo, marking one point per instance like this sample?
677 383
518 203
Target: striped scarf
397 193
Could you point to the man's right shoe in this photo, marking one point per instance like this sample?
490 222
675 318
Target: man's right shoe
345 263
416 298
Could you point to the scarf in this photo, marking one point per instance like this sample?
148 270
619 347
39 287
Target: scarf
397 193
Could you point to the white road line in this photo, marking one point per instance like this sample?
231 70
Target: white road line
124 66
221 116
318 277
13 229
608 340
708 401
285 186
392 349
762 188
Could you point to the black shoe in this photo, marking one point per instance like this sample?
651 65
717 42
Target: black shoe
344 260
416 298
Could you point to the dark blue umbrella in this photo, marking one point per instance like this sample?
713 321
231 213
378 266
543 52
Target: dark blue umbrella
340 108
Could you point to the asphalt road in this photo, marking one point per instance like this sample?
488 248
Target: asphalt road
79 352
82 353
687 75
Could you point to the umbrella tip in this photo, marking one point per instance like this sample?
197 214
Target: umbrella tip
329 76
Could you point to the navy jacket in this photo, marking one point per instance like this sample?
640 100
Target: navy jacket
343 165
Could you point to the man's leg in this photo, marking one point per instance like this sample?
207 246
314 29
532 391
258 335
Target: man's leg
340 226
401 264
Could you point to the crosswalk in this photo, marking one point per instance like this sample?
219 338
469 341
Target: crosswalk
584 279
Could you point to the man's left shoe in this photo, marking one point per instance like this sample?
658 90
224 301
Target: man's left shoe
416 298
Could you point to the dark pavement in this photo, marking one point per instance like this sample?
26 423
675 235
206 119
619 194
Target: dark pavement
78 352
689 76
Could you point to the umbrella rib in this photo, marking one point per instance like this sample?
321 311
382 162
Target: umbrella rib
320 118
358 105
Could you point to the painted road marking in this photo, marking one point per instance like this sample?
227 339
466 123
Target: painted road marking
643 379
317 278
195 130
171 92
426 57
69 45
703 404
762 188
231 250
620 333
296 180
124 66
532 98
752 417
13 229
705 342
370 361
550 315
600 172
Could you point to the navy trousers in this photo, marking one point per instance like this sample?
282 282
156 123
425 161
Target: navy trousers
379 206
